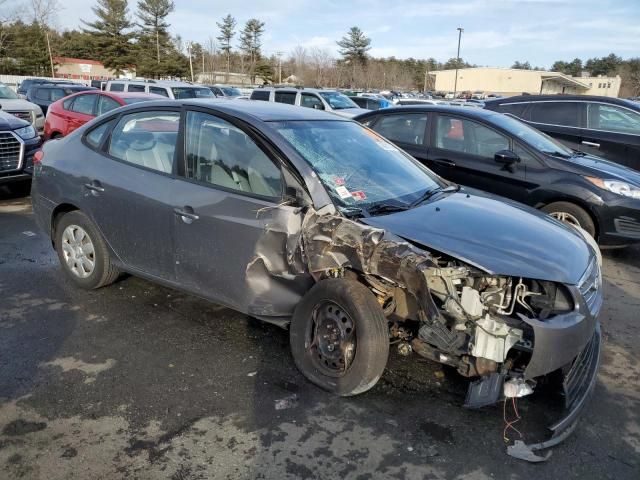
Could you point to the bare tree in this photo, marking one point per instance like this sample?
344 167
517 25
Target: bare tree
44 13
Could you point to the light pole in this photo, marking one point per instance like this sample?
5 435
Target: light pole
455 83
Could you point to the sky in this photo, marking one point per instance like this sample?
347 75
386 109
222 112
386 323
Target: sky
496 32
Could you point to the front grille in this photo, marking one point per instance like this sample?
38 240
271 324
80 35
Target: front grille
23 115
578 381
590 285
10 152
627 226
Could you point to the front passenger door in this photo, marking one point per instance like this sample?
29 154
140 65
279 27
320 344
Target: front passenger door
463 151
228 201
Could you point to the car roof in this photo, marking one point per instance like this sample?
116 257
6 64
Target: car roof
560 98
72 86
251 109
477 113
157 83
297 89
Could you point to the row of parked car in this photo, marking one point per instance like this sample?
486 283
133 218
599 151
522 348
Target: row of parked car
564 176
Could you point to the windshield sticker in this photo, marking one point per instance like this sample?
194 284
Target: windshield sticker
359 195
338 180
343 192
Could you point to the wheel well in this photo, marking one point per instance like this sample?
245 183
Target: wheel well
578 203
57 213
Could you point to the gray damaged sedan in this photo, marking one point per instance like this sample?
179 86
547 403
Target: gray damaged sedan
312 221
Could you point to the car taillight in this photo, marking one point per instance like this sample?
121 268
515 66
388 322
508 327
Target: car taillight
37 157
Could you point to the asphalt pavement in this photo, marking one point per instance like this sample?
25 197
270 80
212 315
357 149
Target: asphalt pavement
143 382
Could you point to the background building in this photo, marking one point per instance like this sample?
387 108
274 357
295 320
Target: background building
81 69
508 82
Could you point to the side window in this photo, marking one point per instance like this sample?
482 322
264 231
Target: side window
516 109
85 104
311 101
95 136
159 91
117 87
408 128
525 156
146 139
466 136
613 118
67 103
286 97
260 95
57 94
42 94
132 87
556 113
106 104
217 92
221 154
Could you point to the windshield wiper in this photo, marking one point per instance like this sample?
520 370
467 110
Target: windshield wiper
556 153
385 208
430 193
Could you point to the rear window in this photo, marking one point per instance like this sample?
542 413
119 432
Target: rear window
516 109
260 95
286 97
135 88
158 91
67 103
117 87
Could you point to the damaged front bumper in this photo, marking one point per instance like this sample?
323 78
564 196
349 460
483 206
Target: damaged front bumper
578 385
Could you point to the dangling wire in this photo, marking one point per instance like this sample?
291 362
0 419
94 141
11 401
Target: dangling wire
509 424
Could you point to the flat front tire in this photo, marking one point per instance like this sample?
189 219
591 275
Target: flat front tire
83 254
339 337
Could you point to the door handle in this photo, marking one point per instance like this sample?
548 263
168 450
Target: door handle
187 214
94 186
443 162
591 144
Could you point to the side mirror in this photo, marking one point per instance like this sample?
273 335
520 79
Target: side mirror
292 195
508 158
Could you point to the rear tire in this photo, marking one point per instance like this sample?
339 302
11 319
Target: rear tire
82 251
571 214
347 310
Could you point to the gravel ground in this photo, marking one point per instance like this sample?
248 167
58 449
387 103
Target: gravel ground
139 381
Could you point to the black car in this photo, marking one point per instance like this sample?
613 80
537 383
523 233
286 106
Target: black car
27 83
603 126
18 143
304 218
502 155
44 95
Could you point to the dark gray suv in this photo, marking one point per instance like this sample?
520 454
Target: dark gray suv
602 126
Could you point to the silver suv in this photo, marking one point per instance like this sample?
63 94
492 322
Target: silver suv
169 89
11 103
329 100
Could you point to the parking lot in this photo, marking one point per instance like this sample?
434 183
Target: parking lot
139 381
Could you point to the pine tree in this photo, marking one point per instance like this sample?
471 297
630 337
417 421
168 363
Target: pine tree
227 32
354 46
112 30
251 43
153 22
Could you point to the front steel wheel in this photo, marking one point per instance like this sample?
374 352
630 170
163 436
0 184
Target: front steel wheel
339 337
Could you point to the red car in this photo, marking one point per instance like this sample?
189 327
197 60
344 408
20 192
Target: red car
71 112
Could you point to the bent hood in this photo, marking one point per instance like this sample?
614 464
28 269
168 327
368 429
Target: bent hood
493 234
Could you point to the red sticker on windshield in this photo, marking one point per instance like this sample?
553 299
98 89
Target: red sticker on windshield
338 180
358 195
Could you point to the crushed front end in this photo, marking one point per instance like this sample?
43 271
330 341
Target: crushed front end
505 333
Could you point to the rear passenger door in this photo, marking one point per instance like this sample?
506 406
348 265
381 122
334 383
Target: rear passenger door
226 201
128 181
